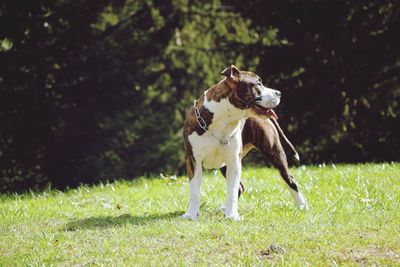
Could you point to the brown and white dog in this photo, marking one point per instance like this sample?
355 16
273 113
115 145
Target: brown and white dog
225 123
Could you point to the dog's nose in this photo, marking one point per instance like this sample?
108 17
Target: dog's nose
278 94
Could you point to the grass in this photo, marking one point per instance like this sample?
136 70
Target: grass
353 219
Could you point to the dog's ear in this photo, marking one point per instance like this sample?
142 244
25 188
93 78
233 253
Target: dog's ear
232 72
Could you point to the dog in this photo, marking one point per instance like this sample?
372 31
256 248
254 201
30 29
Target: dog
231 118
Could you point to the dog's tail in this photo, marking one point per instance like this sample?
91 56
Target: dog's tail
283 136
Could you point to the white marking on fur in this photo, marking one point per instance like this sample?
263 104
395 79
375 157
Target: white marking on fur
221 208
233 173
299 199
269 98
208 150
296 156
227 121
193 211
225 116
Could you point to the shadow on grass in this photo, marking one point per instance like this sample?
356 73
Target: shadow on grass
111 221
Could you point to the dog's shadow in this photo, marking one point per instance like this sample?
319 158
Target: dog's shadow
113 221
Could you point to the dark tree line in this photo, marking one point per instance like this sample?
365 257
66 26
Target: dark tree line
98 90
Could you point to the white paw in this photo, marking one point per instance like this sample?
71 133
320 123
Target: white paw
300 201
191 216
233 216
221 208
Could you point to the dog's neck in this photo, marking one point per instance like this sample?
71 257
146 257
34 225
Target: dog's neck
226 117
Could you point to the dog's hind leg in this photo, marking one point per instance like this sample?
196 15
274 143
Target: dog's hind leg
277 157
267 141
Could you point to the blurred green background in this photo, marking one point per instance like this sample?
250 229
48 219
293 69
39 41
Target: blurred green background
97 90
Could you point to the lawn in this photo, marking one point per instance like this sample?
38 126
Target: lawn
353 219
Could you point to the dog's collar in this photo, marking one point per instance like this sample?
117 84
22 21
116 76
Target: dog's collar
203 125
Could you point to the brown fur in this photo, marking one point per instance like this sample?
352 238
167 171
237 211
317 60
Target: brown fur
264 136
219 91
244 92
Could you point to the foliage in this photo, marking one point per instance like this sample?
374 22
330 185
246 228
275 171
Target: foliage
339 73
94 91
353 220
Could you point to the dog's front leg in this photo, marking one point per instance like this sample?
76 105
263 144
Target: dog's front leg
233 173
193 211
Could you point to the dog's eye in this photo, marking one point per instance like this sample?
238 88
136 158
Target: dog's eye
259 84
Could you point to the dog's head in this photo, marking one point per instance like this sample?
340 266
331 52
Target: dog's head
250 94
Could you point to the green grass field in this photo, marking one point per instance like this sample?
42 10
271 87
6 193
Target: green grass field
353 219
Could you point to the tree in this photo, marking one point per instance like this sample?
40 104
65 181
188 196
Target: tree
338 68
95 91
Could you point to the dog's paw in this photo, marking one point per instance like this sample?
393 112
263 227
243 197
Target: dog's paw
233 216
301 202
303 206
190 216
221 208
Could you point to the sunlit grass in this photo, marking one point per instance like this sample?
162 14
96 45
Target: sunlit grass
353 218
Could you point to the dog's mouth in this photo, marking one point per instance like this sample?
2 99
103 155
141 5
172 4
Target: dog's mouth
260 110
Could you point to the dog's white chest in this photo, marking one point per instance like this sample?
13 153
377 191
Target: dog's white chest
210 151
215 158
